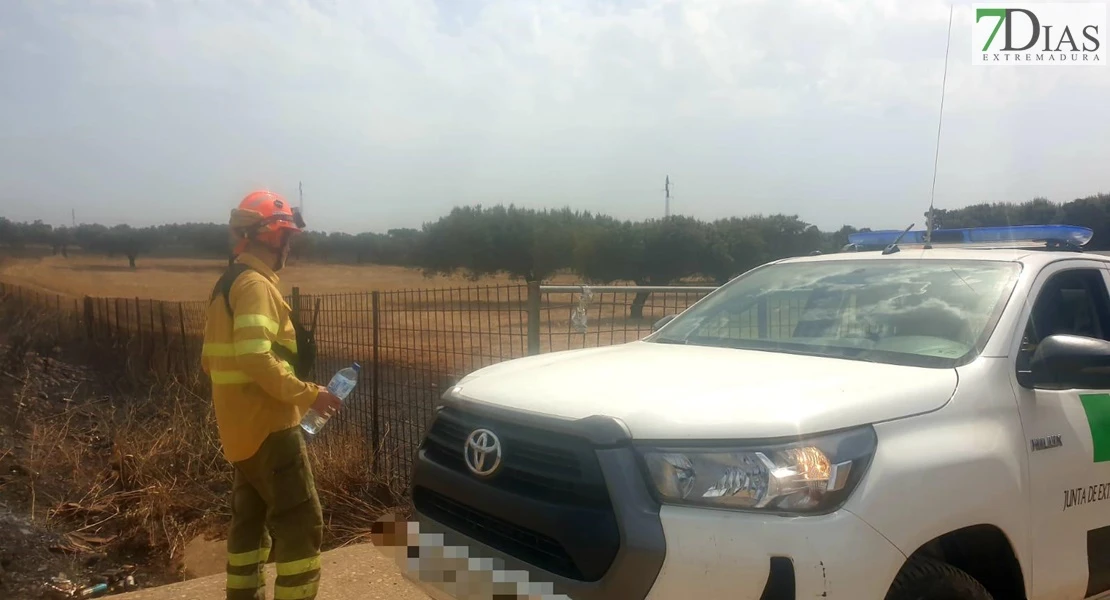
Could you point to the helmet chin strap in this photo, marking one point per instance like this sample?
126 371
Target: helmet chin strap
282 251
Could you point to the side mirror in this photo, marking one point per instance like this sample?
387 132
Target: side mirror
1068 361
661 322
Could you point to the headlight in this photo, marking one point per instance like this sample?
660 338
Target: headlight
809 476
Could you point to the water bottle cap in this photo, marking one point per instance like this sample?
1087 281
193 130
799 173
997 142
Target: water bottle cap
357 366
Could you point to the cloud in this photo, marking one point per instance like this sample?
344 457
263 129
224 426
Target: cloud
421 104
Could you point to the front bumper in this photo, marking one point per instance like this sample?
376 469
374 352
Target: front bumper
722 554
664 552
712 554
675 553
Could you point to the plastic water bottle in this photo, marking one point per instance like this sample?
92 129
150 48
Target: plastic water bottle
340 386
93 591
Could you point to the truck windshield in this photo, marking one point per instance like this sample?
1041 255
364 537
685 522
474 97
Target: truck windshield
928 313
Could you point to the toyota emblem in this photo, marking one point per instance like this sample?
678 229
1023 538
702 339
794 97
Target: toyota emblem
482 452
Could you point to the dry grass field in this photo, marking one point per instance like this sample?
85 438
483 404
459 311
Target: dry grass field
427 331
448 322
175 279
448 319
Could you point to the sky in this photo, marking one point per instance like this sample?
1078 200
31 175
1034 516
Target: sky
393 111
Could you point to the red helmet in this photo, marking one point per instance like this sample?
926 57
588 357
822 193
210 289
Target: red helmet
266 217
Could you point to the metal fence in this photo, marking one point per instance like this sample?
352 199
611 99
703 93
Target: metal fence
412 344
415 344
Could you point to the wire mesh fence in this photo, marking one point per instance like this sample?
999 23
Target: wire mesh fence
51 317
412 345
574 317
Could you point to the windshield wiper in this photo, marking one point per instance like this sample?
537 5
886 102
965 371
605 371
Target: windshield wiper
664 340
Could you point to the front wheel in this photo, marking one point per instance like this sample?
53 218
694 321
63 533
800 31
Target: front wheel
928 579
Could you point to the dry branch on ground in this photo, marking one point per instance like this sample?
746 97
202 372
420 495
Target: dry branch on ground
112 466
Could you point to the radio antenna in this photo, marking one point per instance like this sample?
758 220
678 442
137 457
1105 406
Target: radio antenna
940 124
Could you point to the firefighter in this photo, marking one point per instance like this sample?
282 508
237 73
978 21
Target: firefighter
250 354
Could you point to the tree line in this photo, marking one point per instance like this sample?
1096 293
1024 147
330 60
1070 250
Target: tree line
535 244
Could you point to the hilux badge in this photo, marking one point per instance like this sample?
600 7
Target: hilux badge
1046 442
482 452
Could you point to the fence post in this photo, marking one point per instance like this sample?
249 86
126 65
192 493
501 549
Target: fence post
58 315
375 382
153 345
184 340
533 317
296 304
119 335
165 334
102 324
139 327
89 324
763 319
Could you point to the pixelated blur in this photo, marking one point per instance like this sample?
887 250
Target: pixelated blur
448 572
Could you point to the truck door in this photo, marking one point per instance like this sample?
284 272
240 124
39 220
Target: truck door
1068 440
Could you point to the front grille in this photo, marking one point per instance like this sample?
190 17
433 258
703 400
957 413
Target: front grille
536 463
529 546
548 505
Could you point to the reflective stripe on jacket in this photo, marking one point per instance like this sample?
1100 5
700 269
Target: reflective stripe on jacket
255 393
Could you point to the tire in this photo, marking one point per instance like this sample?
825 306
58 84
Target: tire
928 579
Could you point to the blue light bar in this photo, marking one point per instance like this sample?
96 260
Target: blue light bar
885 238
1064 234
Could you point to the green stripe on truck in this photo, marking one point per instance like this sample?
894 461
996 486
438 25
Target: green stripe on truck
1097 407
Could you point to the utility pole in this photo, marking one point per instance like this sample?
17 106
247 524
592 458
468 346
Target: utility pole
667 189
300 194
73 216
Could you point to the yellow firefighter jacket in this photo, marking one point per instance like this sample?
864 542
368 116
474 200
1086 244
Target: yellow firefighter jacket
255 393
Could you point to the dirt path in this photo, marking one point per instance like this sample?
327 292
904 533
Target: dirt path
353 573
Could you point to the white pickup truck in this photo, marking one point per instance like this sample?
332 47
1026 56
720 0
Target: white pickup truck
928 423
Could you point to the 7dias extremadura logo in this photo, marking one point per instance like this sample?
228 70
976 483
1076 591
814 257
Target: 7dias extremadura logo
1039 34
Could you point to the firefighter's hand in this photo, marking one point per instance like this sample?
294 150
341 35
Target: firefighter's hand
327 403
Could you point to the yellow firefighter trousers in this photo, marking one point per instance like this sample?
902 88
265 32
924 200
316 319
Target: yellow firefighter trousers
274 504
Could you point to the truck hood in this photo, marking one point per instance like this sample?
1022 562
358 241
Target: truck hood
662 391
